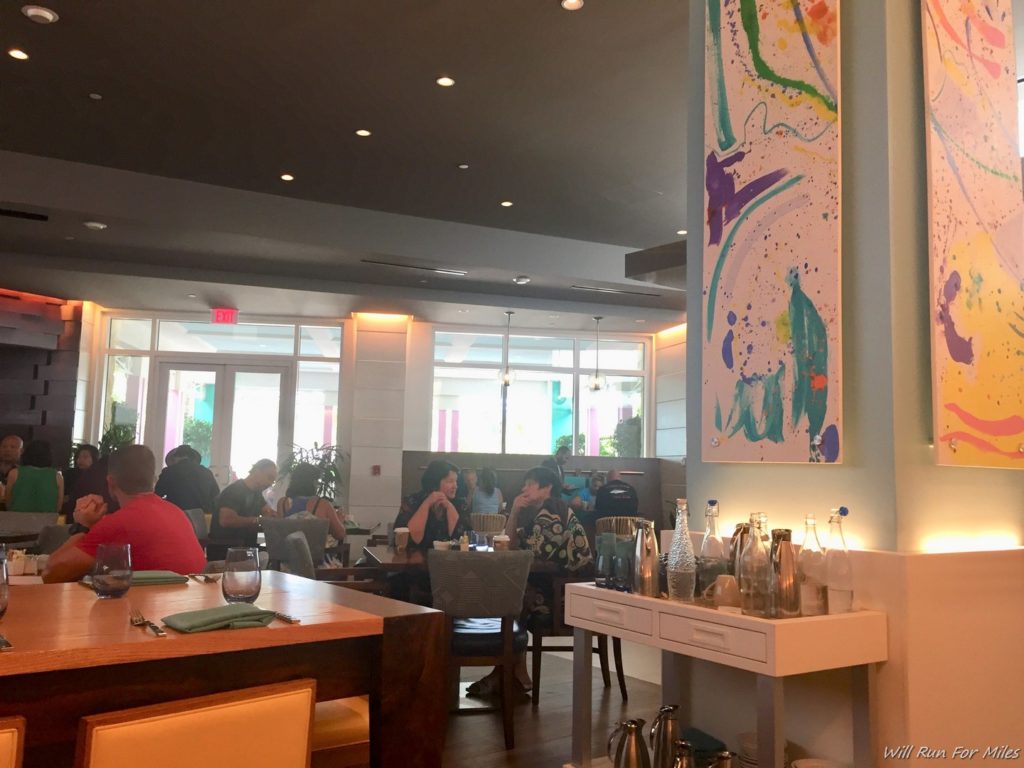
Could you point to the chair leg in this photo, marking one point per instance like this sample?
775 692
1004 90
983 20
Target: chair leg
508 663
617 648
602 655
538 653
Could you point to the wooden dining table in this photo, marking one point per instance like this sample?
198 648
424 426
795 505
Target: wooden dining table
387 559
73 655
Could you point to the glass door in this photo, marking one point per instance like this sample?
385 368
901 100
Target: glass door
233 415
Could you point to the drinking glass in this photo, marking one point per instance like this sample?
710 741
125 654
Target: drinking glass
603 571
242 578
3 581
112 572
622 573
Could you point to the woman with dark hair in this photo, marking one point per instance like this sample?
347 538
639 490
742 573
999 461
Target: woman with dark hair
85 456
35 486
434 514
302 501
487 497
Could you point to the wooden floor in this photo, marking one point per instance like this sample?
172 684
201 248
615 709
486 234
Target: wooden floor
543 734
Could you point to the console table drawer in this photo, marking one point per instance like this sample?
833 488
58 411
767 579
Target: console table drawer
714 637
640 620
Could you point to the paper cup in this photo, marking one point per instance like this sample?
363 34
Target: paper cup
501 542
401 539
443 546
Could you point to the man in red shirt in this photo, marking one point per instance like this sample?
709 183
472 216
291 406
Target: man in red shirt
161 536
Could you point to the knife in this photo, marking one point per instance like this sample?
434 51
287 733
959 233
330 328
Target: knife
5 643
286 618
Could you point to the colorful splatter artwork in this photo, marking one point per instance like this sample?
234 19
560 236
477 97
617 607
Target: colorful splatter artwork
976 231
772 360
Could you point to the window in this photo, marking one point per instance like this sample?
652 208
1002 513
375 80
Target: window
129 333
316 403
243 338
127 380
549 399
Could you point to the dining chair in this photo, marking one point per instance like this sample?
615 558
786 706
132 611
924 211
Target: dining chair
298 558
481 594
26 522
51 537
198 519
207 730
277 530
488 522
300 563
12 741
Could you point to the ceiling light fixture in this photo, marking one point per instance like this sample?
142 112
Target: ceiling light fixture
17 53
463 166
40 14
190 295
96 96
445 82
680 231
597 380
95 226
572 5
521 279
508 376
506 203
287 177
363 132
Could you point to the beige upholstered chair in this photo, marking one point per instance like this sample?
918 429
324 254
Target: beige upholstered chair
12 741
215 730
341 733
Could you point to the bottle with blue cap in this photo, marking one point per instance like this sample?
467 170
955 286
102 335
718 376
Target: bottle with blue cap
838 570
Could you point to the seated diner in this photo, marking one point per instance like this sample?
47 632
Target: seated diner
241 508
434 513
161 537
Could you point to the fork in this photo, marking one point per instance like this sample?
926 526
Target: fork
138 620
203 578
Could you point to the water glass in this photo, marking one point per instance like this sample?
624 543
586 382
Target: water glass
4 592
622 573
603 571
112 572
242 579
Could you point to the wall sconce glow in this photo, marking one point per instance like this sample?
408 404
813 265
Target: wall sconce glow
970 541
287 177
380 316
445 82
681 328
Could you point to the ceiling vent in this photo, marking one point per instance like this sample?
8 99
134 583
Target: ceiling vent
435 270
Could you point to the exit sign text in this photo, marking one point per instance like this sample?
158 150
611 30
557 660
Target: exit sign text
224 315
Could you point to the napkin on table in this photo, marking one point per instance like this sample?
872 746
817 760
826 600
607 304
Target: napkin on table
232 616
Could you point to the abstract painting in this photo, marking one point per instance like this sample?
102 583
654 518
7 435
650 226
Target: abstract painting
976 233
771 357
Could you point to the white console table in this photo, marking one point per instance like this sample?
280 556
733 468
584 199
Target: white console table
772 649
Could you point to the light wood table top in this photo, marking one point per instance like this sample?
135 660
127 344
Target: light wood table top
65 626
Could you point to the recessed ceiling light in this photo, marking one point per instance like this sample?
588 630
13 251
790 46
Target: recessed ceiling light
506 203
520 279
96 96
95 226
462 311
639 321
572 5
191 295
287 177
39 14
363 132
463 166
69 237
445 82
680 231
552 317
17 53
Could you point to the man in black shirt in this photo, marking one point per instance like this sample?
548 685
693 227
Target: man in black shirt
616 498
186 483
240 511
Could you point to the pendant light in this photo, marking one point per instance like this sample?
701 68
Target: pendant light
508 376
597 380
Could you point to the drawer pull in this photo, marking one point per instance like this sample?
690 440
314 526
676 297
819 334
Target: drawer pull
608 614
710 637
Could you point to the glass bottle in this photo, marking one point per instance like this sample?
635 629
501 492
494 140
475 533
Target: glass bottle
838 572
754 572
810 565
713 559
682 563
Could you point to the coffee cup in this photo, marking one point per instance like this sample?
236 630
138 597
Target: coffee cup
401 539
501 542
443 546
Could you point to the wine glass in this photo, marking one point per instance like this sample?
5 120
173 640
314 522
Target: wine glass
603 571
3 581
112 571
242 578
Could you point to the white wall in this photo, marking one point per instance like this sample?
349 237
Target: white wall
670 394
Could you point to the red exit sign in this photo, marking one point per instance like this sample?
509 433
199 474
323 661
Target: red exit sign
224 315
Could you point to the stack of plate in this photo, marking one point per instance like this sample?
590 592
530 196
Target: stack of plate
748 750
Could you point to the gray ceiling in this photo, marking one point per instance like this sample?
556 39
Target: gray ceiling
576 117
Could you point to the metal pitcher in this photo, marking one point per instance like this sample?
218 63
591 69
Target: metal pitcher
645 564
683 755
629 750
664 732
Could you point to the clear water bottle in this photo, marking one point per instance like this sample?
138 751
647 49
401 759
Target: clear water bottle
682 563
838 572
810 565
714 559
755 567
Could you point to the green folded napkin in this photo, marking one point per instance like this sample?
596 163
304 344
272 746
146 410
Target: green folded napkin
231 616
150 578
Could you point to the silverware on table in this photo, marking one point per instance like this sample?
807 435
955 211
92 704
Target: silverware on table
203 578
138 620
287 618
5 643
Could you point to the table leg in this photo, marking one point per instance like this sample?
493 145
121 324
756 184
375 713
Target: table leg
771 736
862 683
582 697
676 682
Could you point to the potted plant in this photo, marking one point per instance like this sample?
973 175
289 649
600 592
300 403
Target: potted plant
326 458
